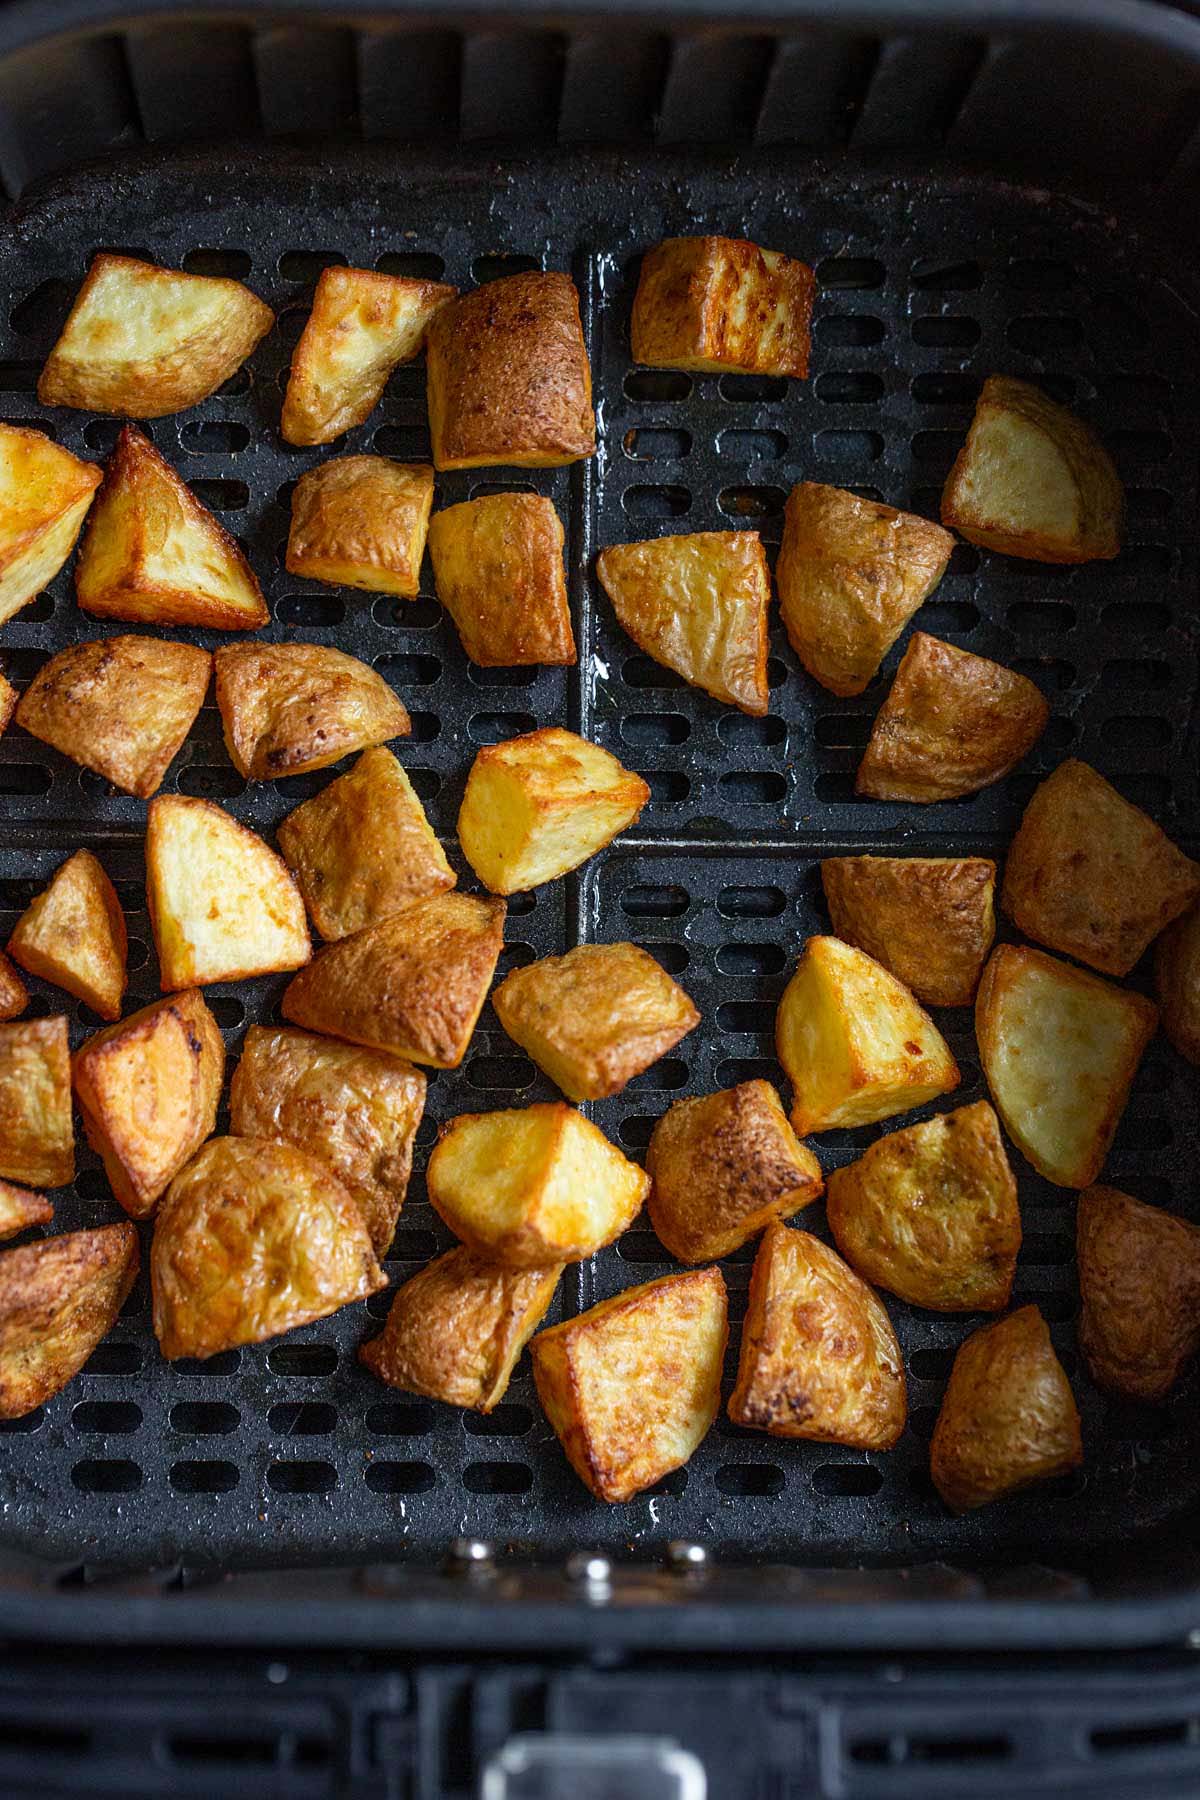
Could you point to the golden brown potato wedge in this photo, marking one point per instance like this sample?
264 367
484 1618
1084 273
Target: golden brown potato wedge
44 494
930 920
289 708
252 1239
8 702
722 1167
851 574
414 984
358 1110
37 1133
509 380
1060 1049
1139 1291
594 1018
1008 1418
20 1209
222 905
539 805
14 995
73 934
120 705
952 724
722 304
498 565
1177 983
633 1385
1034 481
698 605
145 341
361 522
58 1298
148 1091
819 1358
362 326
455 1331
1090 875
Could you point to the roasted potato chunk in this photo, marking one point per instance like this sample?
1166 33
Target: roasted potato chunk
19 1209
1090 875
455 1331
930 920
8 702
1034 481
722 1167
931 1213
1060 1049
252 1239
44 495
37 1133
953 723
509 380
1139 1288
1008 1418
289 708
120 705
145 341
1177 983
14 995
633 1385
698 605
362 849
851 575
853 1042
222 905
361 522
721 304
357 1110
361 327
594 1018
819 1358
58 1298
73 934
539 805
532 1186
148 1091
498 566
414 984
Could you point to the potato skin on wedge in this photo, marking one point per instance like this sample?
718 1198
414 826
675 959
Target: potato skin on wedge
718 303
1139 1289
37 1132
1177 983
45 493
361 522
73 934
498 566
930 920
58 1298
290 708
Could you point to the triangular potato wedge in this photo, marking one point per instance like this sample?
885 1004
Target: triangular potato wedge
929 919
19 1209
37 1132
58 1298
288 708
1139 1291
14 995
44 495
73 934
222 905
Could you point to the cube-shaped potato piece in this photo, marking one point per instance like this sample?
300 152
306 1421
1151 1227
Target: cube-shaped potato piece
222 905
358 1110
363 324
120 705
252 1239
145 341
362 849
851 574
289 708
44 495
14 995
152 553
37 1133
819 1358
596 1017
1139 1291
1060 1049
697 605
455 1331
537 806
498 566
58 1298
930 920
722 1167
20 1209
509 380
931 1213
853 1042
1177 983
148 1091
953 723
1090 875
633 1385
724 305
361 522
414 984
1034 481
73 934
1008 1418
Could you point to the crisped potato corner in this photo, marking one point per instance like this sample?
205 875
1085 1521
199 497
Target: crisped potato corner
361 522
58 1298
14 995
289 708
498 566
19 1209
1177 983
722 304
44 495
37 1133
1139 1288
73 934
930 920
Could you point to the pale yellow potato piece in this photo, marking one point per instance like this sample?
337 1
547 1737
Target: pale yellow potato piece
73 934
44 495
632 1386
853 1042
1060 1049
20 1209
361 522
537 806
498 565
533 1186
1177 983
14 995
289 708
145 341
1139 1291
718 304
58 1299
698 605
596 1017
930 920
37 1133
